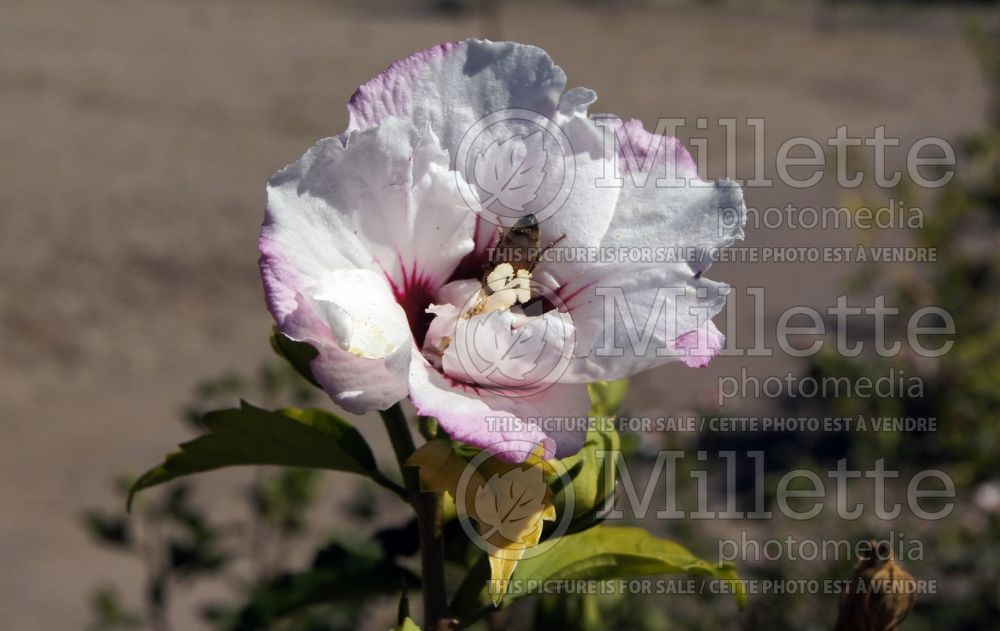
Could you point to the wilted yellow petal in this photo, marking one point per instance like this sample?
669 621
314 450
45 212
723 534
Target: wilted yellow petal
509 507
441 469
510 510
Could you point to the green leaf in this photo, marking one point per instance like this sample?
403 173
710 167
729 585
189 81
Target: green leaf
291 437
604 552
298 354
592 471
606 397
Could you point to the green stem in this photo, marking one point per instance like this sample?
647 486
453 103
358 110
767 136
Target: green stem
399 435
431 525
430 522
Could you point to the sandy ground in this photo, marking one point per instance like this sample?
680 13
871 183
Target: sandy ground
137 137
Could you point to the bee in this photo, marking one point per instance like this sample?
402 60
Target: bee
512 261
519 246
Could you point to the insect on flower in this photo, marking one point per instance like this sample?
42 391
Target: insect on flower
513 259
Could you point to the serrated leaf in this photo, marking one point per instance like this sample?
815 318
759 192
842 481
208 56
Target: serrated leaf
512 170
605 552
291 437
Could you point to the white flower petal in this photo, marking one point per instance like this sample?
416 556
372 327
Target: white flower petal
361 312
643 218
451 86
361 336
385 202
628 318
503 348
512 423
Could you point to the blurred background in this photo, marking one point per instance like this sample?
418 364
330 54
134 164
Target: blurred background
137 139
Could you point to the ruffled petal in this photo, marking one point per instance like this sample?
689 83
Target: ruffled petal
631 318
573 207
642 220
578 226
642 246
453 85
384 202
685 215
701 345
510 423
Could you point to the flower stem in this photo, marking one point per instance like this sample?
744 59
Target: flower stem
430 522
399 435
431 525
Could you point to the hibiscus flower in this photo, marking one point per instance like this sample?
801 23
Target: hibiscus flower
383 248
